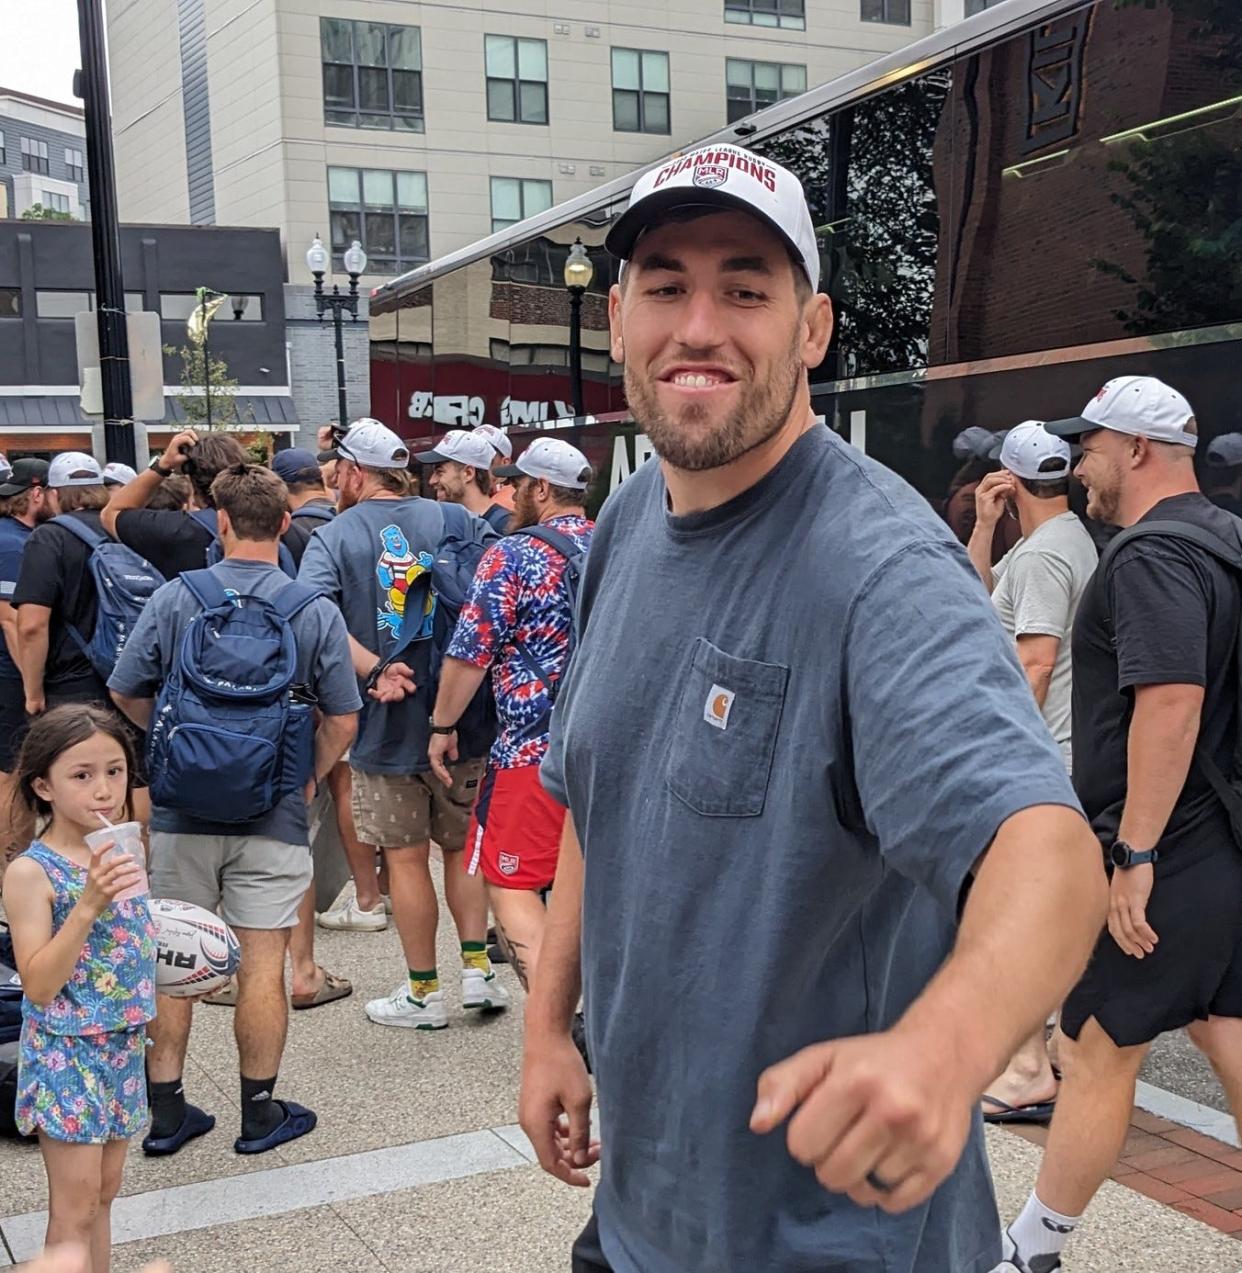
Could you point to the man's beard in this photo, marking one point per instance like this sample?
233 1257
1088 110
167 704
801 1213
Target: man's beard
761 411
524 511
1103 502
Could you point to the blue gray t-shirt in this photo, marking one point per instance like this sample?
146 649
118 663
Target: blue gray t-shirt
791 726
368 559
324 667
13 537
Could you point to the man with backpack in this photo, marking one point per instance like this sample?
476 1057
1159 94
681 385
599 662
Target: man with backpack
1155 729
398 566
226 669
172 541
462 474
518 622
310 505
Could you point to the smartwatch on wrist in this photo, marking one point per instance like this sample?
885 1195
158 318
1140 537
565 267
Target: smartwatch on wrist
1123 857
440 729
156 467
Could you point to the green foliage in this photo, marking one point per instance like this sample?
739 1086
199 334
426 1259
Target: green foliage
37 212
222 392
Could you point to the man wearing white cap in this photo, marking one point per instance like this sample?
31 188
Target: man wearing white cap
518 622
375 559
502 490
1155 719
462 474
762 746
1036 588
117 474
56 591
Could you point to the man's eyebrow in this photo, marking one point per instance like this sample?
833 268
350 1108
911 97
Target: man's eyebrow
657 262
746 265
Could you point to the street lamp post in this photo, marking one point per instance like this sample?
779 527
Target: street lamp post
578 275
338 302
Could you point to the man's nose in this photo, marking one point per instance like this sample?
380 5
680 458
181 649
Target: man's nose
699 326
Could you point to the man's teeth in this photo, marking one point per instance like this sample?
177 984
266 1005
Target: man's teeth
689 381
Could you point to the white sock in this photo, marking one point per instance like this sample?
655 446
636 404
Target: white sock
1039 1231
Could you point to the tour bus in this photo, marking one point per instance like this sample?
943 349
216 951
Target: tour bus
1009 212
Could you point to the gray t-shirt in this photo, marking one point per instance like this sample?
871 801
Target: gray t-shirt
368 559
791 726
1036 588
323 667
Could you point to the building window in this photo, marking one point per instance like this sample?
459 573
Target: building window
34 156
70 304
640 91
517 79
385 211
2 153
978 6
750 86
10 302
896 12
55 202
75 164
516 198
790 14
176 307
372 75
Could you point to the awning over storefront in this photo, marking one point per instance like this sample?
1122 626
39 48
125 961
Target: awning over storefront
54 413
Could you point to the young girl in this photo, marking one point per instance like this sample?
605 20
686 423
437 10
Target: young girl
87 966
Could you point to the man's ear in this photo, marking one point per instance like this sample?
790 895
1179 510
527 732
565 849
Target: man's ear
223 523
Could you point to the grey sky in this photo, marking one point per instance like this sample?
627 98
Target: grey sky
39 51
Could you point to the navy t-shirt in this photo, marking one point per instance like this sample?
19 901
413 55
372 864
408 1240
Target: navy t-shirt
791 726
13 536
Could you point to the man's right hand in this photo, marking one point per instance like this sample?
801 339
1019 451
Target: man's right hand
36 705
554 1108
393 684
990 496
174 456
442 752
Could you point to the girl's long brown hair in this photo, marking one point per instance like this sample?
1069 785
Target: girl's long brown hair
48 738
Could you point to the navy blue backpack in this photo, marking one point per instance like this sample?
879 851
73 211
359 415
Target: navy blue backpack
206 518
124 582
231 735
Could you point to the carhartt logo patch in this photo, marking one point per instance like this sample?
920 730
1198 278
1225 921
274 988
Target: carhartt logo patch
718 706
509 863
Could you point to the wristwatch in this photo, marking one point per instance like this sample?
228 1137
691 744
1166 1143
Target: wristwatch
156 467
440 729
1122 856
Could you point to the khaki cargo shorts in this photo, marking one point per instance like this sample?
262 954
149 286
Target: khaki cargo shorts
400 811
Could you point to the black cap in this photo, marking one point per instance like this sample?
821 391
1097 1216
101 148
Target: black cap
26 473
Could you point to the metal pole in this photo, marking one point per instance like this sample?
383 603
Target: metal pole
575 348
340 362
206 360
105 239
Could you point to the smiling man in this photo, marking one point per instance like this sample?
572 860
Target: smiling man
791 729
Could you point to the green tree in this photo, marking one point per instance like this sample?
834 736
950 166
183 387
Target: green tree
221 394
37 212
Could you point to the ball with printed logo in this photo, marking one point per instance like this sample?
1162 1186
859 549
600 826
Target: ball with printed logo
197 952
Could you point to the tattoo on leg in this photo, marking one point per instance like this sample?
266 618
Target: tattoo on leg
515 952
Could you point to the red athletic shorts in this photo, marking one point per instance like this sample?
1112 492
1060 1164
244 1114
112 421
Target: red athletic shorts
515 830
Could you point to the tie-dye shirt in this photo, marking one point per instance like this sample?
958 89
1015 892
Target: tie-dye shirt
518 596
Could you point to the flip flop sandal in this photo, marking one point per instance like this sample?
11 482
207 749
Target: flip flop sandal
297 1122
332 989
225 997
195 1123
1037 1112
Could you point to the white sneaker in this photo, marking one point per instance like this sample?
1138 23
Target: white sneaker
386 902
400 1010
349 917
482 990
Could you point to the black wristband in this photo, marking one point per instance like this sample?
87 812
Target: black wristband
156 467
440 729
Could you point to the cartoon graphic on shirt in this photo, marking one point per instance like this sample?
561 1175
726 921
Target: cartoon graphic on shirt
398 570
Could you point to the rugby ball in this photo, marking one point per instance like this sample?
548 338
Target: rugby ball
197 952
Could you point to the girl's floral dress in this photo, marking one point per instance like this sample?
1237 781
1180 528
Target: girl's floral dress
80 1071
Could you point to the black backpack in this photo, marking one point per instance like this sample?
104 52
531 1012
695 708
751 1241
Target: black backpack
1228 788
319 512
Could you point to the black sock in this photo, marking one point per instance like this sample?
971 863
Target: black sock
167 1102
260 1113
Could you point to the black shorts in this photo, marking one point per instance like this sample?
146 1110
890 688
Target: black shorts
12 722
1195 970
587 1256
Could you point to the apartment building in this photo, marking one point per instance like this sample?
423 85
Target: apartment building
42 156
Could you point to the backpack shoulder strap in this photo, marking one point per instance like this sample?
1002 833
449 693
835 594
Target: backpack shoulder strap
205 588
454 521
553 538
91 537
293 598
206 518
320 512
1231 555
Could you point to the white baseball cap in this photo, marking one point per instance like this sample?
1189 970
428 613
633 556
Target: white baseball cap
498 438
555 461
74 468
474 449
716 177
373 445
1225 452
1140 406
117 474
1028 452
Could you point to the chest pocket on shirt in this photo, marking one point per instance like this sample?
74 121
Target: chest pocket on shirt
724 735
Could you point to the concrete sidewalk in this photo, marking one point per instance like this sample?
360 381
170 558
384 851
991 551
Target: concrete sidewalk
416 1165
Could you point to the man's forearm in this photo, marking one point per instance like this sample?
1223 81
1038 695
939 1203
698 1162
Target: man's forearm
459 682
135 494
979 549
365 661
332 738
557 985
32 656
1033 916
137 710
1163 733
8 624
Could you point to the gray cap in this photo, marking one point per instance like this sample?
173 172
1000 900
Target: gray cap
974 443
1225 452
553 460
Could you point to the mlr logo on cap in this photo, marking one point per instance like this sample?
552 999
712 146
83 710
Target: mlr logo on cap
709 176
